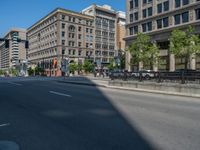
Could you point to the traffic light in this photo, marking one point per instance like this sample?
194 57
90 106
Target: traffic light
26 44
7 43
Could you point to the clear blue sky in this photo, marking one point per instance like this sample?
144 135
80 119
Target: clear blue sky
24 13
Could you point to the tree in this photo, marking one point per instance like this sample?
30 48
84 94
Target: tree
13 71
30 71
111 65
1 72
39 71
88 66
184 44
143 50
73 67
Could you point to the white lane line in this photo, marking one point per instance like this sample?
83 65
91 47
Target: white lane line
15 83
5 124
61 94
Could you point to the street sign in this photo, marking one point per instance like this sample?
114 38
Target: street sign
64 65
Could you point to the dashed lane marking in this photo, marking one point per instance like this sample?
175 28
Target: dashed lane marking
15 83
5 124
60 94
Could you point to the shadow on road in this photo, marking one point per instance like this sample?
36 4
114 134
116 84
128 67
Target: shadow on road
85 121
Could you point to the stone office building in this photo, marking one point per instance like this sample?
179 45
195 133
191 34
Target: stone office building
105 19
157 18
62 34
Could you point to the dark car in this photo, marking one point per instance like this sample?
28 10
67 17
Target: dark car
116 74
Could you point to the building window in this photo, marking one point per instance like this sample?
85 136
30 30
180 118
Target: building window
63 17
144 27
136 3
149 26
69 52
79 52
131 4
197 14
79 36
74 19
63 26
63 42
150 11
74 52
166 6
159 24
131 30
63 34
177 19
79 29
144 12
135 28
136 16
185 17
185 2
159 8
165 22
131 17
144 2
177 3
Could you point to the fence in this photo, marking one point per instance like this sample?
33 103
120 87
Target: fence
179 77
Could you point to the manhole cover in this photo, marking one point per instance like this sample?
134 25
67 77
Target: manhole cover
8 145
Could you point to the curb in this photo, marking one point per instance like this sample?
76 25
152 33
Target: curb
131 89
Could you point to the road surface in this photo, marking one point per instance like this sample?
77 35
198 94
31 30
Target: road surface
50 115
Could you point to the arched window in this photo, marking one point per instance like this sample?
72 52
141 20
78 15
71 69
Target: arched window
71 28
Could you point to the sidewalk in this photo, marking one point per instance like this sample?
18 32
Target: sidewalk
100 82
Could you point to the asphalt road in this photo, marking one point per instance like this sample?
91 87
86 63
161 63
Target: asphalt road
50 115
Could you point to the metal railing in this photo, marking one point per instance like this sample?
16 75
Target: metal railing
176 77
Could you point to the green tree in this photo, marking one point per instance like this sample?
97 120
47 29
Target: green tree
30 71
184 44
39 71
73 67
111 65
1 72
143 50
123 61
88 66
13 71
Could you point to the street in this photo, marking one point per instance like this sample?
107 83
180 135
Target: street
51 115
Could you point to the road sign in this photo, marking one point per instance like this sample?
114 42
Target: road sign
64 65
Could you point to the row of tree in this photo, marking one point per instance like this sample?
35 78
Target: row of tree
87 67
10 71
182 44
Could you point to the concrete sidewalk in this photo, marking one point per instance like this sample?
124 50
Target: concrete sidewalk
105 83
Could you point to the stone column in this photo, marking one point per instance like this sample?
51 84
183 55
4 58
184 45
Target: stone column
128 61
140 67
171 62
155 66
192 62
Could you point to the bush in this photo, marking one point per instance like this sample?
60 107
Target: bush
73 67
88 66
30 71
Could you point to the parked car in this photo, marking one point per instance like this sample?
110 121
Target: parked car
147 74
116 74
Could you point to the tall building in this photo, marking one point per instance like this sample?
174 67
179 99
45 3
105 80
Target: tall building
16 52
62 34
105 19
157 18
121 31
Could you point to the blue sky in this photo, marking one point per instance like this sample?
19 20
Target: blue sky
24 13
